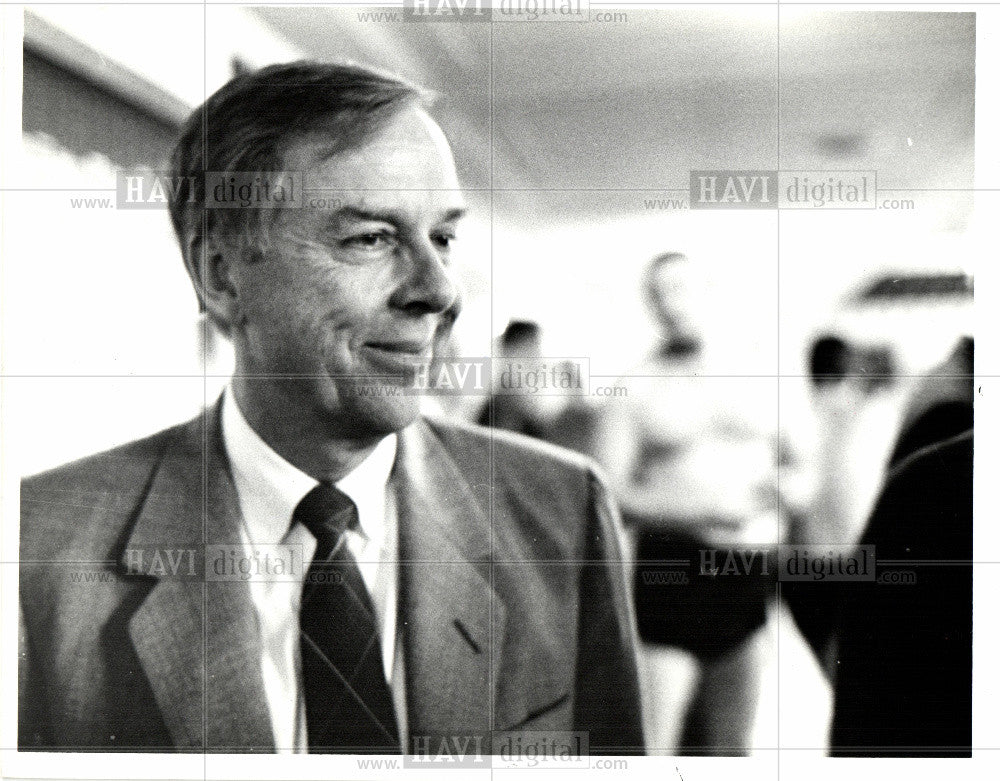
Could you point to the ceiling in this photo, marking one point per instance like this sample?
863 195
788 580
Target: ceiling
558 112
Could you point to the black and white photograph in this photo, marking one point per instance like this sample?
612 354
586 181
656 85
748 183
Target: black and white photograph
498 385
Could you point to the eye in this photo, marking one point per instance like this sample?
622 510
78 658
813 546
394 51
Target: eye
371 241
443 239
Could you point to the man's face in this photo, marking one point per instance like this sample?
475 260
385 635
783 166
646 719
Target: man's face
351 299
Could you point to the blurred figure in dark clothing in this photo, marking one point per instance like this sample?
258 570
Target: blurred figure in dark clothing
574 425
898 650
942 405
519 345
904 675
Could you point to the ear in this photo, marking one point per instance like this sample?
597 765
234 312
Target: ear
210 265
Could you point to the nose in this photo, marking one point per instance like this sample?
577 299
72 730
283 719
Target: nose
428 286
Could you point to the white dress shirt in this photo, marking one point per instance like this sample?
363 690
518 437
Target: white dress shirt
269 488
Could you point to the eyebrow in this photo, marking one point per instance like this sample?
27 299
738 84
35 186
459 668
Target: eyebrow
388 215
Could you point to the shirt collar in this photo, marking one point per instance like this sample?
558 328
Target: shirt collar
269 487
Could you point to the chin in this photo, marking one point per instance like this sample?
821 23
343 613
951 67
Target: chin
383 416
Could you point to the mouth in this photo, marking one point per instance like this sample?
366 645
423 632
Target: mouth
412 348
398 356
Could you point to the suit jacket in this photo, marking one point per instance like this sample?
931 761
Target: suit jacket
901 652
513 602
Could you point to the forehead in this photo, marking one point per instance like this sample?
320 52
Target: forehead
406 162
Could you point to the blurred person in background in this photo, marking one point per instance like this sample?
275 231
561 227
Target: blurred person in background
942 405
857 402
561 416
693 463
894 472
828 358
519 350
572 420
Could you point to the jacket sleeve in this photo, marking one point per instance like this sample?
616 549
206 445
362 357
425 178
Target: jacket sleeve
607 685
31 719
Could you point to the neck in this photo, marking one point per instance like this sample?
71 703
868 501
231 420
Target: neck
303 440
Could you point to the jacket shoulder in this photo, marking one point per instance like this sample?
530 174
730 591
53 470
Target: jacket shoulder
547 501
108 468
511 453
87 500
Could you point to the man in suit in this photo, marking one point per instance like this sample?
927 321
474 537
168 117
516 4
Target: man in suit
310 565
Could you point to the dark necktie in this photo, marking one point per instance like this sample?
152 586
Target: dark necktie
348 703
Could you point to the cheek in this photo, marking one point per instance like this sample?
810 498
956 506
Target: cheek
325 320
278 321
356 298
312 305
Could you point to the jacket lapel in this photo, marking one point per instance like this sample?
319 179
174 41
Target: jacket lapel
453 620
197 640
